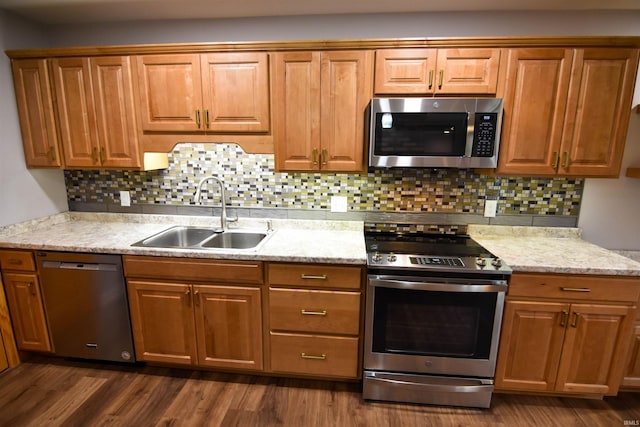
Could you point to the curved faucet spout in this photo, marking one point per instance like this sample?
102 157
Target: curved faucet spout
223 200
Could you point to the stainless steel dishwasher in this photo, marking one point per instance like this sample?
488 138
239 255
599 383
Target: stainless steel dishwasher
85 299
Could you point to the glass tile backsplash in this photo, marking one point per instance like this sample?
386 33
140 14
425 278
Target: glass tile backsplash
252 182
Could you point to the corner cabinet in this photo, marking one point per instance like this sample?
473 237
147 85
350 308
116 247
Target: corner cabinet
215 92
320 100
566 334
24 298
566 111
36 113
436 71
96 115
196 312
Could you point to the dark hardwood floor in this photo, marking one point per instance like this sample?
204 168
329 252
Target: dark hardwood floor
60 392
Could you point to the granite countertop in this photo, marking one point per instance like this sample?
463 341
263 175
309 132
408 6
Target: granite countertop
526 249
551 250
338 242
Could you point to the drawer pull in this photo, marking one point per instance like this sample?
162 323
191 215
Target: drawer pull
310 276
575 289
311 356
313 313
14 261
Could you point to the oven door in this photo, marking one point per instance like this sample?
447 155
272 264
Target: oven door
431 326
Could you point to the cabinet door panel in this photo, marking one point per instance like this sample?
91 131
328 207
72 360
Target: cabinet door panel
76 112
467 71
405 71
530 345
236 92
27 311
170 92
598 111
632 373
115 113
35 110
162 321
345 92
535 96
296 117
229 326
595 348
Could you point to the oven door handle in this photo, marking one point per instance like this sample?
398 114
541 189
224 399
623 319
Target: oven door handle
425 285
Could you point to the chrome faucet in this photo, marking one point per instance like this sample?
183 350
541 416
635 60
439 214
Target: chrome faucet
223 214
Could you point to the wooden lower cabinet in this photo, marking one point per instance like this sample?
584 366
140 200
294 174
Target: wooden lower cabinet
314 314
572 346
632 373
196 312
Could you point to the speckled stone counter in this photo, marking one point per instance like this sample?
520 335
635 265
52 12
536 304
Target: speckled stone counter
551 250
337 242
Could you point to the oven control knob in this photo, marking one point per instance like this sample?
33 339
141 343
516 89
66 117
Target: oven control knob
497 262
392 257
481 262
376 257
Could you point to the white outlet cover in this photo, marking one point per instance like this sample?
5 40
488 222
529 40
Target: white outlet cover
338 203
490 208
125 198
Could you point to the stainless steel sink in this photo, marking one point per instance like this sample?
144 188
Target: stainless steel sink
182 237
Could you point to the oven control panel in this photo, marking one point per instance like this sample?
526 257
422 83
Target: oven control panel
393 260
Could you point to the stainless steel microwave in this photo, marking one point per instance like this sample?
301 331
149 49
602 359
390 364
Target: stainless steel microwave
435 132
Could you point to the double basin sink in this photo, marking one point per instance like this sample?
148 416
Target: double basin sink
182 237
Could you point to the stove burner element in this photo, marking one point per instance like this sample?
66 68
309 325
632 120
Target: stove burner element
452 262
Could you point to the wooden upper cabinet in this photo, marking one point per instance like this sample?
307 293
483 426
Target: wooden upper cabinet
217 92
319 109
94 99
36 113
566 110
535 100
436 71
598 111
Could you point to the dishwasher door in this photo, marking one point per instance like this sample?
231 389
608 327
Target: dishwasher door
85 299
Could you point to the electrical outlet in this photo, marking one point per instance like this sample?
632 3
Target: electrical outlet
338 203
125 198
490 208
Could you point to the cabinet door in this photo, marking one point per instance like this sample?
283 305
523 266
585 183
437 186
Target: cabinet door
595 348
346 89
115 113
598 111
163 324
76 112
4 364
229 326
467 71
35 111
296 118
536 84
170 92
530 345
632 373
27 311
405 71
235 92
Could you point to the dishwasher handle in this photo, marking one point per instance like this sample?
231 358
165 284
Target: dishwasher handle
88 266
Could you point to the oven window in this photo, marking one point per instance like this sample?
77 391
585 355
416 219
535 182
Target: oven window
420 134
431 323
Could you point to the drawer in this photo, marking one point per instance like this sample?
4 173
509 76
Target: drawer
315 355
227 271
306 310
315 275
575 287
17 260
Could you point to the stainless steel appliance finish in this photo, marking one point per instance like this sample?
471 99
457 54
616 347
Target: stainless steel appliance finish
435 132
433 315
85 300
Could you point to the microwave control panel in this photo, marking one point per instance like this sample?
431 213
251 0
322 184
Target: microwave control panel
484 135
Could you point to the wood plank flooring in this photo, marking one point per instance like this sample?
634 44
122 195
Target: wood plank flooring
60 392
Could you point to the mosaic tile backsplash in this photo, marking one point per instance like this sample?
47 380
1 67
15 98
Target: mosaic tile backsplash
252 182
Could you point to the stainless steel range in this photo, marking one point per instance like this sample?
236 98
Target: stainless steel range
433 314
